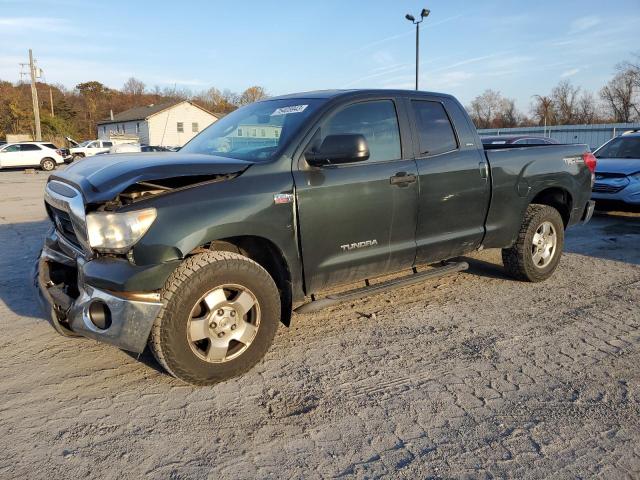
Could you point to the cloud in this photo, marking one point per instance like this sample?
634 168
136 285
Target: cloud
569 73
41 24
583 23
411 31
469 60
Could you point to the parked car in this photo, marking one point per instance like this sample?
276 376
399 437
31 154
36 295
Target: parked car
201 253
30 154
618 170
63 152
518 140
90 148
134 148
155 148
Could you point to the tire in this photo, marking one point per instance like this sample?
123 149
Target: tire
525 260
187 299
77 156
48 164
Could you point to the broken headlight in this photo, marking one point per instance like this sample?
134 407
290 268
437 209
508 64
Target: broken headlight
118 232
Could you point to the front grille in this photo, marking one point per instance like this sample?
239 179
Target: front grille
63 224
604 188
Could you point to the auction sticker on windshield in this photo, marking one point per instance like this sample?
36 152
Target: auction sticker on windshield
287 110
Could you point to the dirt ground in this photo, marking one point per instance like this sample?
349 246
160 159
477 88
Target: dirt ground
472 376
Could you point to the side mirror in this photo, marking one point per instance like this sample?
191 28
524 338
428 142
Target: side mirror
336 149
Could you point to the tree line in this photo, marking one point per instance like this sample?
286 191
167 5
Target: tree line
618 101
75 112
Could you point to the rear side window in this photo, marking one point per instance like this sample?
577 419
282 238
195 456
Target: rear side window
435 132
29 147
107 144
376 121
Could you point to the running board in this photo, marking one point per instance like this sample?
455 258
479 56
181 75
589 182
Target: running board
351 295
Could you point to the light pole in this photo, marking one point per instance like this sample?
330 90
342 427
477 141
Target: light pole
423 14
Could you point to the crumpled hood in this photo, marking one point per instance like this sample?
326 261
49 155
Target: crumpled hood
625 166
102 177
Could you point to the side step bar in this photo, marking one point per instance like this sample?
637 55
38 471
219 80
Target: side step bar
351 295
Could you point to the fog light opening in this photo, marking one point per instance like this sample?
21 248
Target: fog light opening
100 315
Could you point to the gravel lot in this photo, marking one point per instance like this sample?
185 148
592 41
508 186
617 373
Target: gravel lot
470 376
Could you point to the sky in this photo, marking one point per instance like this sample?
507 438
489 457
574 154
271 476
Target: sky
519 48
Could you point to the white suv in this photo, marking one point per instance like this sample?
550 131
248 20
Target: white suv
30 154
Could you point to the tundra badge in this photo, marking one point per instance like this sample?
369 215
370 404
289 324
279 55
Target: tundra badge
352 246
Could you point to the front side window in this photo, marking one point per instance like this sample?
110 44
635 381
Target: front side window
621 147
50 145
11 149
435 132
180 127
376 121
234 135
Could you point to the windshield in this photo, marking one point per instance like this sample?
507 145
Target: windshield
85 143
255 132
621 147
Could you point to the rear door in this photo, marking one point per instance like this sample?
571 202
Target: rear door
355 220
454 183
31 154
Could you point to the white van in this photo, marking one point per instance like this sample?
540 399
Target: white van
30 154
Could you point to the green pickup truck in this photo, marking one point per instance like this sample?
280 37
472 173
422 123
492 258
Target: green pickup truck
201 253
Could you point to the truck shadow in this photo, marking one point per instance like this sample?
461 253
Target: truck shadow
21 243
611 235
484 268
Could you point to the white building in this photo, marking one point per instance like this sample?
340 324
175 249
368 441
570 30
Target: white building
166 124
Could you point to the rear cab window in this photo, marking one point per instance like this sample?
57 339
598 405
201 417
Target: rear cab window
435 132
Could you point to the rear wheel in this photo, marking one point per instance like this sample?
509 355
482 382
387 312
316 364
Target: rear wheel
48 164
538 248
221 312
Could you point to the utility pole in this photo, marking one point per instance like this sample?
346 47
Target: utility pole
51 101
34 97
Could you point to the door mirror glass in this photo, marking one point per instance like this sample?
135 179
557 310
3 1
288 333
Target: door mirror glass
337 149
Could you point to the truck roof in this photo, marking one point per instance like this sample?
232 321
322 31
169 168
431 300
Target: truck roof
327 94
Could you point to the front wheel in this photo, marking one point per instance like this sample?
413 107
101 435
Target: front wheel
538 248
221 311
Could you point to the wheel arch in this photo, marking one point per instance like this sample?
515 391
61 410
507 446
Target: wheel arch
267 254
558 198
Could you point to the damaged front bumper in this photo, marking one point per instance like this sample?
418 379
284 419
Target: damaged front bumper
123 319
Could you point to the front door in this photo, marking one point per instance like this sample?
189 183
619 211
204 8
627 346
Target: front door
11 156
454 183
355 220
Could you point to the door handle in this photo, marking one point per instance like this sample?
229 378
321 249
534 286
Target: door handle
484 169
402 179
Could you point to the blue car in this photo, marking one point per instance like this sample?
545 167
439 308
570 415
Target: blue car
618 170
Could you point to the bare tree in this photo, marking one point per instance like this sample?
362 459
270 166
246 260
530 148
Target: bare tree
587 109
620 96
565 100
508 116
543 110
133 86
484 108
252 94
